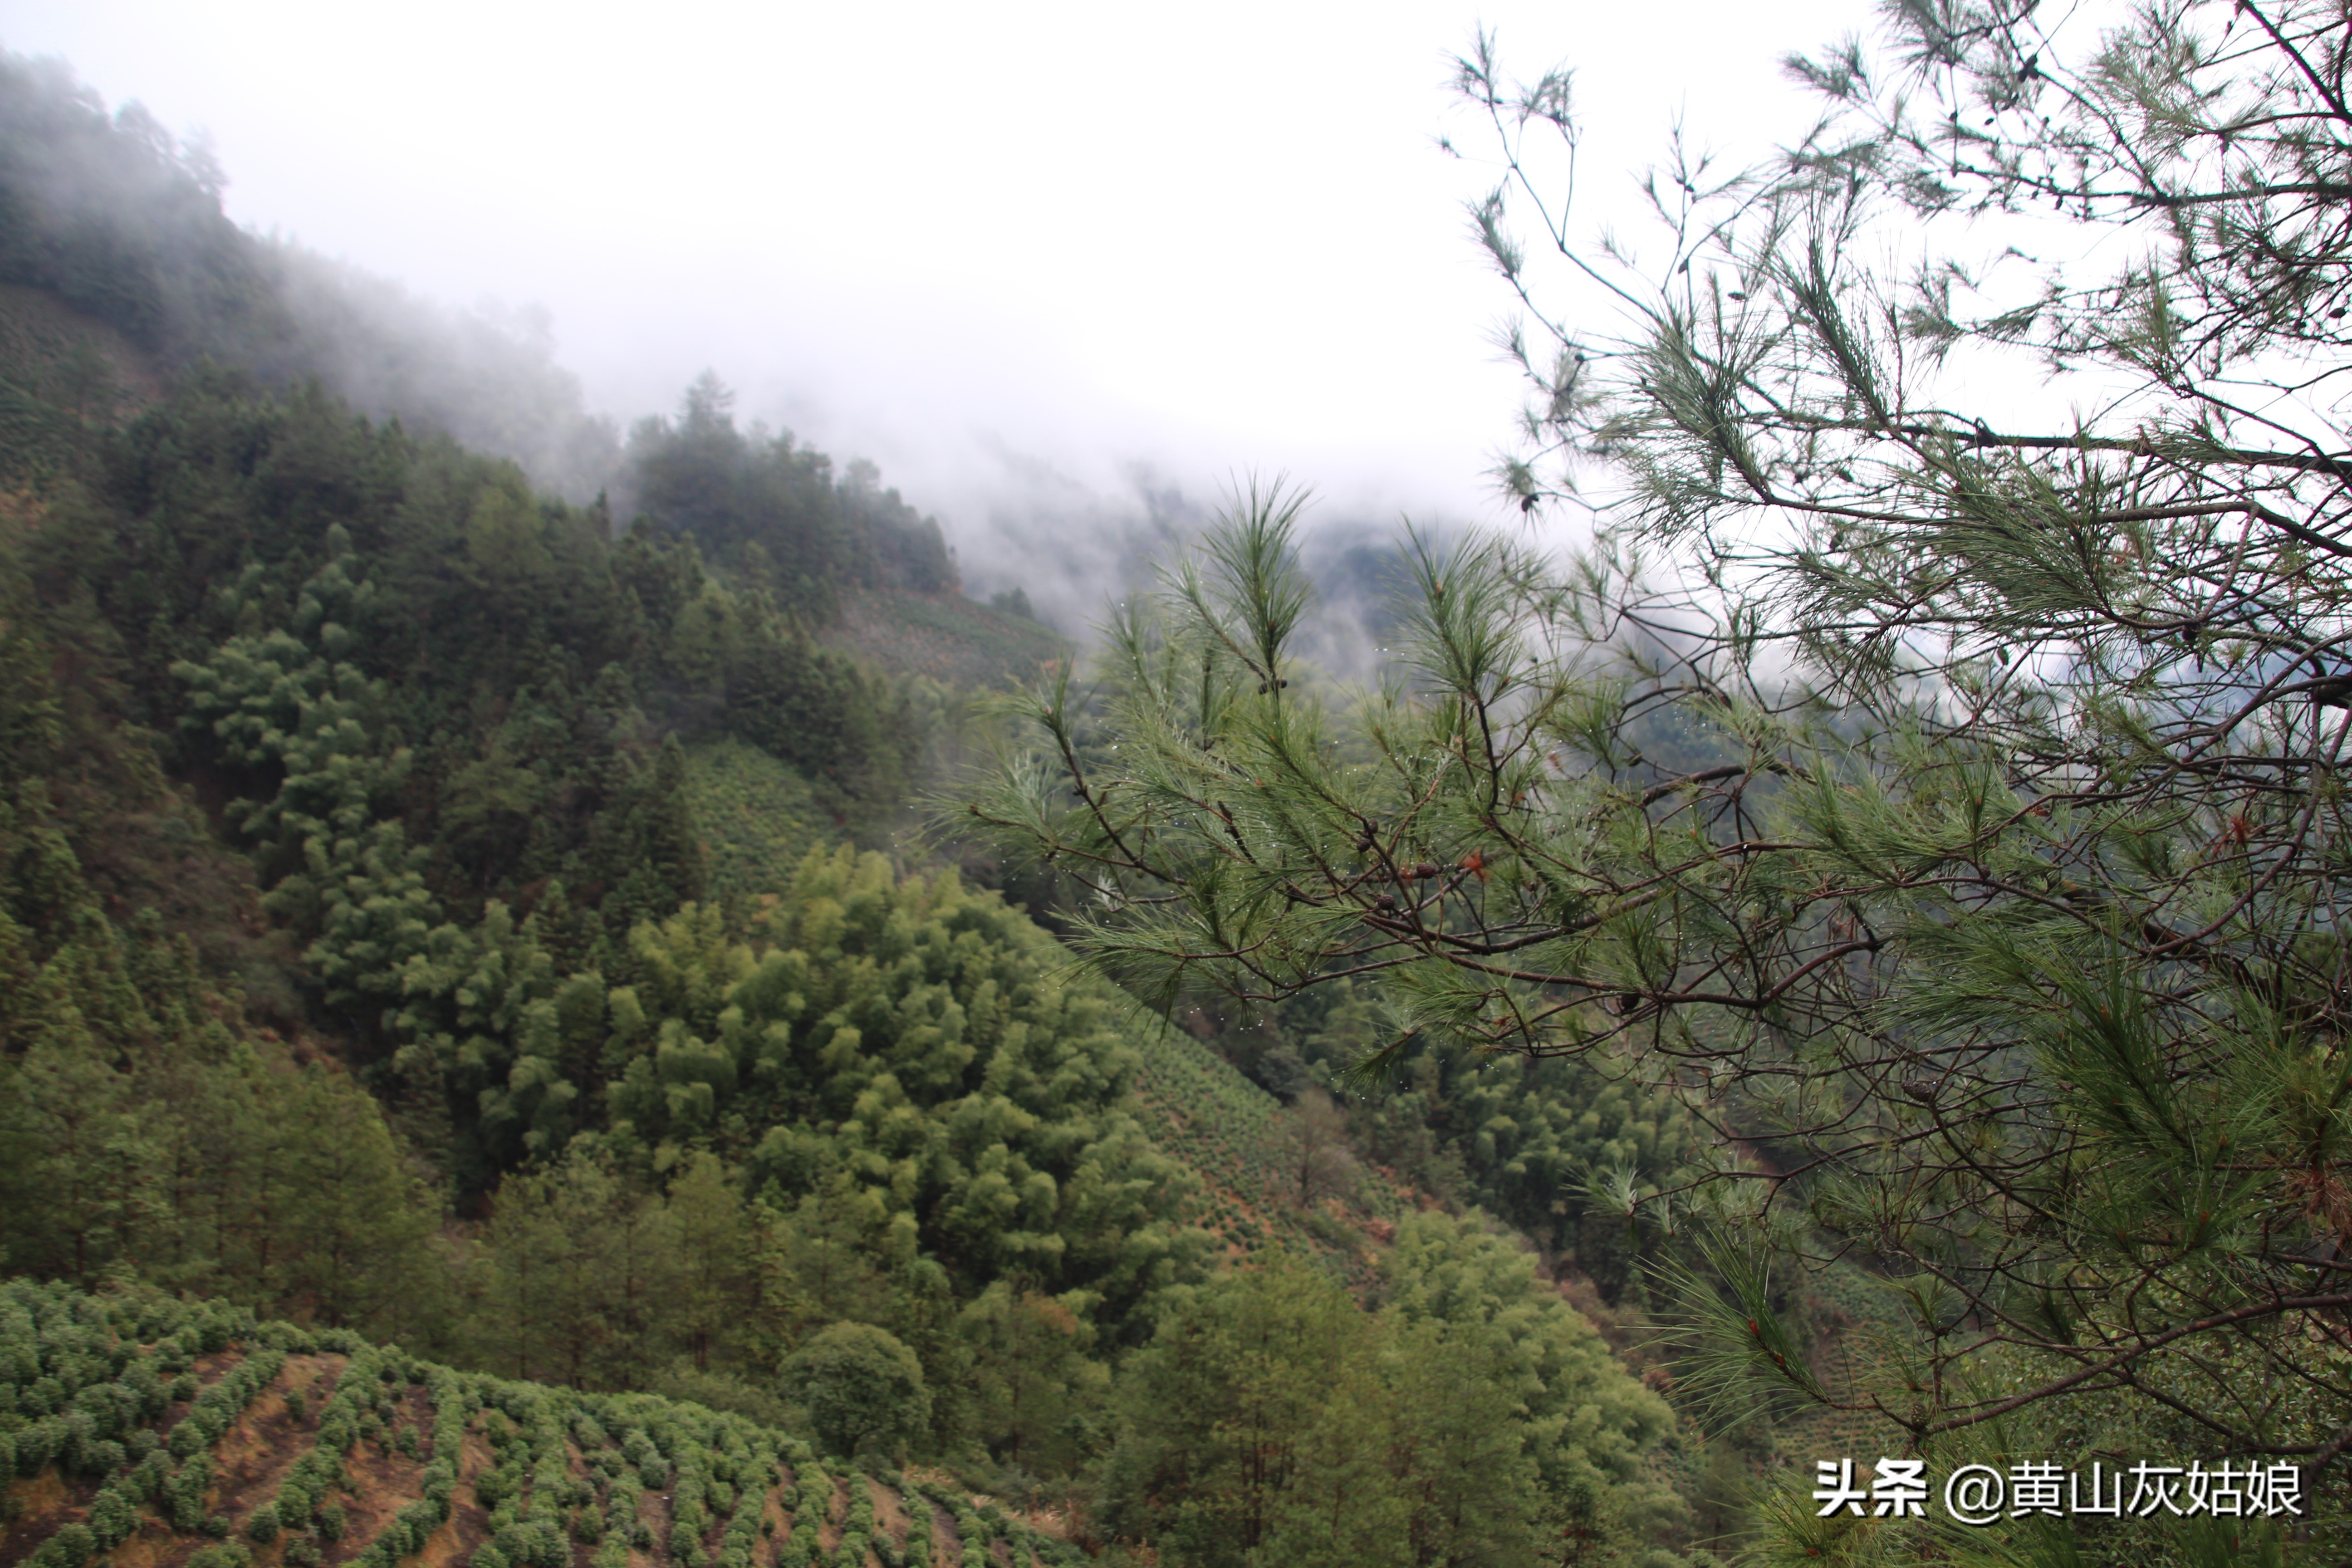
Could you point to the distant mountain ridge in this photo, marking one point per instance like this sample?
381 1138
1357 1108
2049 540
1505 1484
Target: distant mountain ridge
122 224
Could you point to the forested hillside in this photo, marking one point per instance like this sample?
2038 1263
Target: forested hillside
109 217
442 904
1804 1025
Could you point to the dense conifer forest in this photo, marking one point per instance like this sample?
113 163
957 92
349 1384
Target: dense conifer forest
460 891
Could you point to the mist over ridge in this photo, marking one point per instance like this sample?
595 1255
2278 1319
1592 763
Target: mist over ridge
1073 531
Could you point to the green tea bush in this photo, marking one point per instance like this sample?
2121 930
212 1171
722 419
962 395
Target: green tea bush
99 1455
320 1470
113 1518
74 1387
752 1471
147 1478
185 1492
218 1406
800 1548
69 1548
37 1444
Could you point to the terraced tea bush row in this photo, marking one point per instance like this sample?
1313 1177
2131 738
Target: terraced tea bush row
811 1499
531 1486
446 1389
185 1492
690 1507
857 1528
406 1533
319 1473
755 1476
217 1408
616 1525
540 1422
588 1521
977 1526
76 1367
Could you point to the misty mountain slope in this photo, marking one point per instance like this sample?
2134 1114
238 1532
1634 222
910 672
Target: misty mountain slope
124 225
945 637
834 547
64 374
156 1432
774 513
122 228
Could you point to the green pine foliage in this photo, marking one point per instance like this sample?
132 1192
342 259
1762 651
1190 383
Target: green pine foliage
142 1119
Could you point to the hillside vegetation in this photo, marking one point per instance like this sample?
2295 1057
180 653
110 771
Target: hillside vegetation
445 904
158 1431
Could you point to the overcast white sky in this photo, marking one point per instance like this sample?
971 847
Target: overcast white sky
1212 238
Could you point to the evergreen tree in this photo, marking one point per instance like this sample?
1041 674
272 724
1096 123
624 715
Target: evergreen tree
1034 1389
